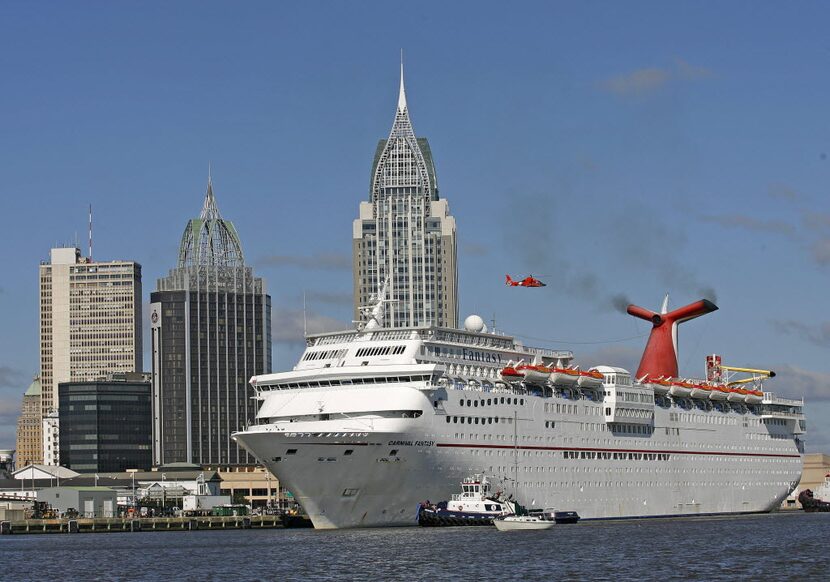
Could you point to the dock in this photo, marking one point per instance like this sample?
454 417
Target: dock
151 524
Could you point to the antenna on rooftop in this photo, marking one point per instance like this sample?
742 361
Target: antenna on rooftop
90 232
305 322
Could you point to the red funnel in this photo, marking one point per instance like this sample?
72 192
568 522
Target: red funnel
660 356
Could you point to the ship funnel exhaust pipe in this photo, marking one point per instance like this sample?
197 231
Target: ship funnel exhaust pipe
660 356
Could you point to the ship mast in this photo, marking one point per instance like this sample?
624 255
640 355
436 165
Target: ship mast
516 450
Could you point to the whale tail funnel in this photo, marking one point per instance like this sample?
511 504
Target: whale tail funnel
660 356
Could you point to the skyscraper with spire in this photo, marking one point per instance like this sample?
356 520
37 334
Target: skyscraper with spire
211 331
405 232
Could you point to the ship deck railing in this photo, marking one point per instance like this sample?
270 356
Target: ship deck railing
771 398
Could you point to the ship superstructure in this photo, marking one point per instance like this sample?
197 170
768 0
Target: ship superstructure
372 421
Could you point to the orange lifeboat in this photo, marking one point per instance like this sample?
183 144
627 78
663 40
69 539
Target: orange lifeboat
591 379
681 389
534 374
718 392
700 391
737 395
564 376
659 385
511 374
754 397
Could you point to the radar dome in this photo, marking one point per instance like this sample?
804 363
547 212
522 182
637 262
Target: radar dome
475 324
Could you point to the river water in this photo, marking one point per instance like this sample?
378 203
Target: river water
787 546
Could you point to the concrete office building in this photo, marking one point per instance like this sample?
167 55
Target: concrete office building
51 438
30 427
405 233
90 321
211 331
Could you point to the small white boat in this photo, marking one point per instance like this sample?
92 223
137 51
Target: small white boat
523 522
822 492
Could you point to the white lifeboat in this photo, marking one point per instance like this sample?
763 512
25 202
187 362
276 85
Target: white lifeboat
700 391
660 386
754 397
718 392
534 374
680 389
511 374
737 395
564 376
591 379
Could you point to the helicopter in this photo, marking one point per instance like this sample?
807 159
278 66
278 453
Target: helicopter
529 281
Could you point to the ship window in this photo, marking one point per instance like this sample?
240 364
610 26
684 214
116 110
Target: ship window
393 452
455 419
469 420
475 403
468 402
348 452
522 402
502 399
291 452
462 402
476 421
448 420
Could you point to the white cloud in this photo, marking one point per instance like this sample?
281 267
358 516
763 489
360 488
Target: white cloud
648 80
796 382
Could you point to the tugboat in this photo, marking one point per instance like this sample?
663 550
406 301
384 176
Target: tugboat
818 501
475 505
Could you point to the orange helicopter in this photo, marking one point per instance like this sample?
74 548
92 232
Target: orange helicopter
529 281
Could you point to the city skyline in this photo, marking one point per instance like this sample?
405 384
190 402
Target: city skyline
615 156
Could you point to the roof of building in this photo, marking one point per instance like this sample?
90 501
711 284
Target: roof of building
52 470
34 388
210 240
77 488
412 165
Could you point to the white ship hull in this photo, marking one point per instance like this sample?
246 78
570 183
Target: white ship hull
374 470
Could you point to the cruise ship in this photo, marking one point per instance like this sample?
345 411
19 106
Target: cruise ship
372 421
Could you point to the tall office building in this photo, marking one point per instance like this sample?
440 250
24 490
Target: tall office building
211 331
405 232
90 322
29 427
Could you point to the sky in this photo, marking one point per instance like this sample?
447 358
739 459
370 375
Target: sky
619 151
